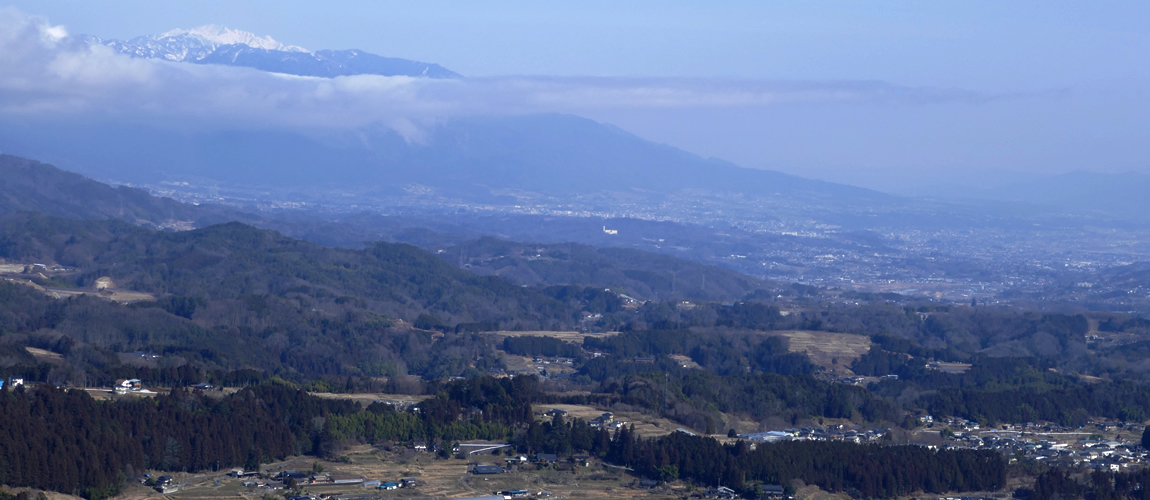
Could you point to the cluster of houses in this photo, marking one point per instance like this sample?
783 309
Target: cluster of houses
288 478
510 494
1089 454
605 420
955 422
832 433
1051 443
539 460
856 380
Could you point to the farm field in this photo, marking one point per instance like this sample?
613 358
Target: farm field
436 478
833 351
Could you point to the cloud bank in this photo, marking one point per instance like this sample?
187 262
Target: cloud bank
868 133
44 72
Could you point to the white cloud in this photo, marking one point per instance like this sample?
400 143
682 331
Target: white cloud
43 72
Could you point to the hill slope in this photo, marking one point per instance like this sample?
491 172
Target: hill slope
478 159
642 275
233 296
28 185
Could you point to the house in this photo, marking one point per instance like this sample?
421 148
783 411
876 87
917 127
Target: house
291 474
583 460
648 483
772 491
127 385
419 446
165 485
557 412
345 479
407 482
390 486
272 485
721 492
487 469
546 458
513 493
203 386
242 473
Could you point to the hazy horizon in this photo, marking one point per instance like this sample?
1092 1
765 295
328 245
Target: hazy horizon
893 99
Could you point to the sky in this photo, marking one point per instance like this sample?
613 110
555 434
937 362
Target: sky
897 95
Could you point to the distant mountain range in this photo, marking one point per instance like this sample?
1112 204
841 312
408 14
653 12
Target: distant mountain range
476 159
213 44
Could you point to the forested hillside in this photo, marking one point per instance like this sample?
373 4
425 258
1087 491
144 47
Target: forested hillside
642 275
28 185
233 297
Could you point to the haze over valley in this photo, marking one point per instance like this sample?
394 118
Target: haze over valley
658 250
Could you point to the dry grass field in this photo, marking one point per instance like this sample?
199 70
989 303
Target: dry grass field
436 478
45 356
368 398
572 337
824 348
645 425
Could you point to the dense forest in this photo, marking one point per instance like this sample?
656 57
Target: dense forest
1096 485
243 307
66 441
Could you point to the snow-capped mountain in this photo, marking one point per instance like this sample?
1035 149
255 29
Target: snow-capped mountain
214 44
220 35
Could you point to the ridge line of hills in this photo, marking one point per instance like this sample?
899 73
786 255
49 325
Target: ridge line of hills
30 186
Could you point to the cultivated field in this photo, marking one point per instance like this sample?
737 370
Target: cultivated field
645 425
572 337
436 478
824 348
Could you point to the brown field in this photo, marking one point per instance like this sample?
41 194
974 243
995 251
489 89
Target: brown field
645 425
572 337
437 478
825 347
121 296
950 367
813 492
366 398
45 356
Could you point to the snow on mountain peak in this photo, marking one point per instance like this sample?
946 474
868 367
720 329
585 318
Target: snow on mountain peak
221 35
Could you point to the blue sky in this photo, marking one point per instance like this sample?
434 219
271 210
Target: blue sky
1060 84
971 44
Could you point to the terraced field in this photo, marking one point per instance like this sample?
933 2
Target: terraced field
824 348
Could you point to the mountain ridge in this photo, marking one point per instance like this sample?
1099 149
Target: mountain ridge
476 159
212 44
